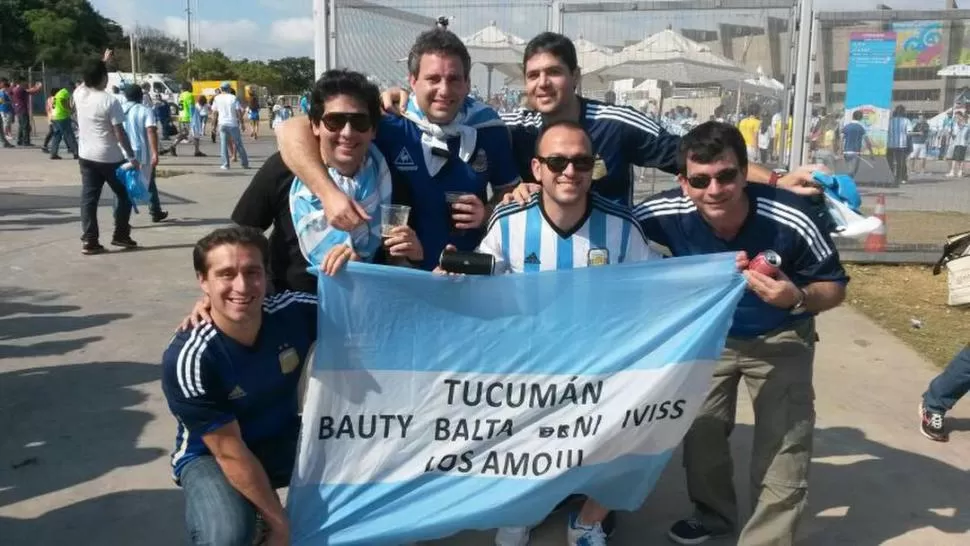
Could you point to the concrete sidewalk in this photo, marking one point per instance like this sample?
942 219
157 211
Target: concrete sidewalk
86 431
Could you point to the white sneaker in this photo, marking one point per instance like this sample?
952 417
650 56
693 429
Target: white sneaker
950 174
582 535
224 167
512 536
902 181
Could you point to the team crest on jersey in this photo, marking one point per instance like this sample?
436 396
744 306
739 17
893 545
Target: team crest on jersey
599 169
289 359
598 256
404 162
480 163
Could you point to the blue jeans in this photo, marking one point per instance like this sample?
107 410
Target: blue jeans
64 129
225 133
947 388
216 514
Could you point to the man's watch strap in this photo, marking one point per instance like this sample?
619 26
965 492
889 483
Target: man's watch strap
799 306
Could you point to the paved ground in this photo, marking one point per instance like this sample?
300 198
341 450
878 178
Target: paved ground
83 453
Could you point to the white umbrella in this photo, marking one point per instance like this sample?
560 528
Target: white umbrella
671 57
955 70
496 49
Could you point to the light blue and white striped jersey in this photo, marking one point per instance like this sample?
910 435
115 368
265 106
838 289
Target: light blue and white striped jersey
523 240
371 187
899 128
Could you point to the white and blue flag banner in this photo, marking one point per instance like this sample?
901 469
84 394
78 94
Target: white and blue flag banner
438 404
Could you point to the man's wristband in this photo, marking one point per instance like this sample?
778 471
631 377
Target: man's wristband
774 176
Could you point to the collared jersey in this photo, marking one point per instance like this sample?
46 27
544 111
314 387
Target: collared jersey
522 239
211 380
777 220
399 139
622 137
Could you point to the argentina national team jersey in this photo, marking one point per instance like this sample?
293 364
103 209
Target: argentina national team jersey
211 380
622 137
778 220
523 240
491 165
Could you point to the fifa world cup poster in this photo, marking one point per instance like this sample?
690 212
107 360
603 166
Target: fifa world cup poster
869 85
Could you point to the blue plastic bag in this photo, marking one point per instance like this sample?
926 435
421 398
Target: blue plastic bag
840 187
135 185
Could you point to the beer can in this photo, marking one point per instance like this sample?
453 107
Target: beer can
767 263
467 263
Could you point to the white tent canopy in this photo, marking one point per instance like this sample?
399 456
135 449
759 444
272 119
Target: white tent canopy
496 49
955 70
760 85
671 57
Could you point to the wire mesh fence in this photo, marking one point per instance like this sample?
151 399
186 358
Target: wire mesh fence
757 38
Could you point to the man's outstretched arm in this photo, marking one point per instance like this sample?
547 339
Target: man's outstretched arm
301 153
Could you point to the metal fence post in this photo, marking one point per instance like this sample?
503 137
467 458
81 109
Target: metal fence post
802 81
555 21
321 37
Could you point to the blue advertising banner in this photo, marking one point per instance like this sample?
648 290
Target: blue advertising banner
869 85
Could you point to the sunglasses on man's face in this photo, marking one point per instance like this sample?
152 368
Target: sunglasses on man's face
336 121
702 181
558 163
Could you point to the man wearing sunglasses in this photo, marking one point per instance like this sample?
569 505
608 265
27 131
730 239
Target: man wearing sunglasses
771 343
444 152
344 112
564 226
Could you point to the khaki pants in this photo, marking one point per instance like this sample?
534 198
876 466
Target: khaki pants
777 370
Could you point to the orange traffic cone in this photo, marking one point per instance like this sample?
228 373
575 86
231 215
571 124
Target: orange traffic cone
876 241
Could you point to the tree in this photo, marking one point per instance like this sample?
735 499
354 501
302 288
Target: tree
296 74
157 51
209 64
257 73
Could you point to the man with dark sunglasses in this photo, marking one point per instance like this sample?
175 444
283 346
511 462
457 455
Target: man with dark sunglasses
445 152
564 226
344 113
771 344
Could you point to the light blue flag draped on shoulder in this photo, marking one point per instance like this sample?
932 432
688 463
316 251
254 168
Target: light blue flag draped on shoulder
437 404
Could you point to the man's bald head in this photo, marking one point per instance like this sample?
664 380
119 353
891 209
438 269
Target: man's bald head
558 130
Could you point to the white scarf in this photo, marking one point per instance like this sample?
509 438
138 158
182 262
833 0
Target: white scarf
472 115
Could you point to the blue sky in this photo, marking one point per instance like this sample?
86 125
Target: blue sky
267 29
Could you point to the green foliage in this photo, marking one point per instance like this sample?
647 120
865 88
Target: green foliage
63 34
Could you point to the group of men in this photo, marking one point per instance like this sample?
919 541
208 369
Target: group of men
561 184
15 106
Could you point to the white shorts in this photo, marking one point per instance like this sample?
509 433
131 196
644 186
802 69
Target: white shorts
7 119
919 151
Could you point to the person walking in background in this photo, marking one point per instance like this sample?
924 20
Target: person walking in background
203 108
253 110
6 113
959 136
103 147
143 134
943 393
853 137
63 123
49 109
897 144
750 126
225 111
919 137
186 106
764 142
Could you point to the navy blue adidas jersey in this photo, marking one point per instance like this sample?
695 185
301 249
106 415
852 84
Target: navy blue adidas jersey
399 139
622 137
778 220
211 380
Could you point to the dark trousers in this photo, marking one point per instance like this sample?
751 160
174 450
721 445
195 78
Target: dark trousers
94 176
950 386
64 130
897 163
50 135
23 129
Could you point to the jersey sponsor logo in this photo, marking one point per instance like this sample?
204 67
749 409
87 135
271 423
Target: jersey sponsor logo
289 359
480 163
532 259
598 256
237 393
404 162
599 169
